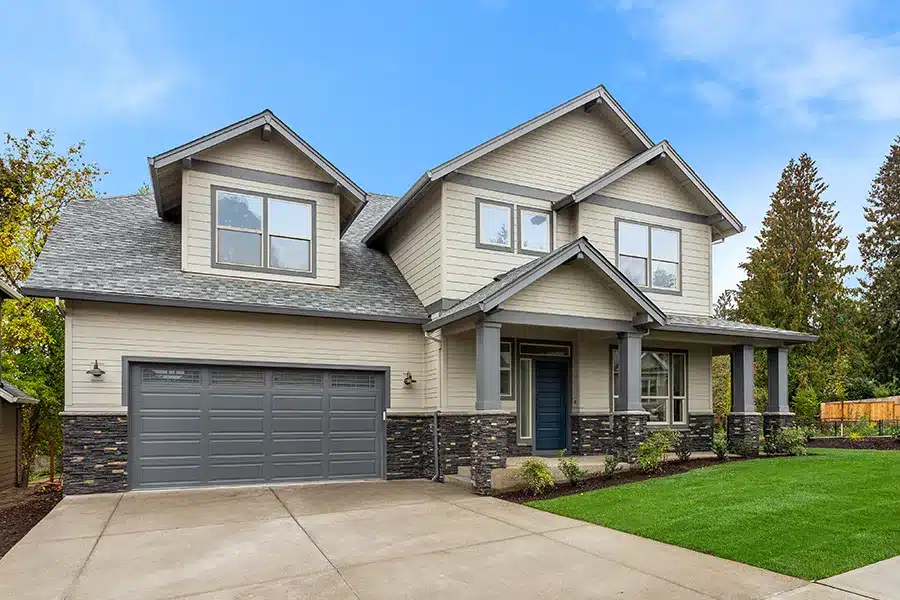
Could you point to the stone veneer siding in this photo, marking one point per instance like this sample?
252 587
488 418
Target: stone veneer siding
743 433
629 430
772 422
513 447
591 434
489 445
702 428
455 442
95 453
410 446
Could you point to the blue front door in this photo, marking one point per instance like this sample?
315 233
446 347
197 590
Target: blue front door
551 392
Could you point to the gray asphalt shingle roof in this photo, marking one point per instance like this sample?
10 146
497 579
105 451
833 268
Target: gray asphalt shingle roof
699 323
11 393
118 249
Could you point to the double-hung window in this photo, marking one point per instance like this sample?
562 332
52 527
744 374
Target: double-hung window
266 233
663 385
650 256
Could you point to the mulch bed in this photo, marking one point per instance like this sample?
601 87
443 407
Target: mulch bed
623 477
22 509
884 442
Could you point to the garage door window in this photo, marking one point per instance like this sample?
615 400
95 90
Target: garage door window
236 377
170 376
353 381
290 378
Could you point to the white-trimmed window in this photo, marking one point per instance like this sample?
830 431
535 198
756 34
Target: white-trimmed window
506 374
266 233
494 225
535 235
649 255
525 418
663 385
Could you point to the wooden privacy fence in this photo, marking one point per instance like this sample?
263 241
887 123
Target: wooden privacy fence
880 409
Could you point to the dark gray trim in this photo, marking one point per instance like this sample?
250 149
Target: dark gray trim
440 304
129 360
487 367
629 396
214 237
647 209
742 379
503 187
512 222
223 306
214 168
520 317
551 224
778 381
650 227
749 334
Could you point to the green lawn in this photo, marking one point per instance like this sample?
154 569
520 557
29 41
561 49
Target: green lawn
811 516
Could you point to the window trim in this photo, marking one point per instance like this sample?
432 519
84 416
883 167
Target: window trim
550 225
670 401
520 395
489 246
264 268
512 370
649 258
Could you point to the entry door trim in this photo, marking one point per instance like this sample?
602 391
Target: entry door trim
130 360
566 405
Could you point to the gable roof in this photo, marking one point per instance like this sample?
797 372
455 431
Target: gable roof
596 96
116 249
266 120
8 292
502 288
661 150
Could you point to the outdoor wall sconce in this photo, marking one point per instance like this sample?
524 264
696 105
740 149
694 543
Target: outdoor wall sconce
408 380
96 371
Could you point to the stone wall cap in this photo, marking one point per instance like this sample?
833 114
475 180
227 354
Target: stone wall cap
94 413
631 412
779 414
745 414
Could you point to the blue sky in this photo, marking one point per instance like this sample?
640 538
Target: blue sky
386 90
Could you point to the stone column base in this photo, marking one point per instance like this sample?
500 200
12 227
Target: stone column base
772 422
702 427
488 448
591 434
409 441
743 433
629 429
95 453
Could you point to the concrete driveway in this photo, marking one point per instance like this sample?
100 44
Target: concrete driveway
404 539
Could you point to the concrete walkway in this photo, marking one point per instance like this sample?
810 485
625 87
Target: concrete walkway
410 539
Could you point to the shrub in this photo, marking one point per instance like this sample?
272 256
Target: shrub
806 404
611 465
859 388
571 470
651 452
536 476
855 436
720 444
683 446
863 427
787 440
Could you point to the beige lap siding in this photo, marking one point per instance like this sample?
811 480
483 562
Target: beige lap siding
8 446
275 156
598 224
107 332
652 184
414 244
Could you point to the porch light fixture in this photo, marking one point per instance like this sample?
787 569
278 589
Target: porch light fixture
408 380
96 371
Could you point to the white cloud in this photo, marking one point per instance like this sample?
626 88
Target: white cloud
802 58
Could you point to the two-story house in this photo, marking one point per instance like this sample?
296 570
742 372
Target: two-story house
261 318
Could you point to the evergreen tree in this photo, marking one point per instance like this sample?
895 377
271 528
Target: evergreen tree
795 280
879 247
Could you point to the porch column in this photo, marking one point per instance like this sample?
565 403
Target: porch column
778 414
629 417
743 421
489 424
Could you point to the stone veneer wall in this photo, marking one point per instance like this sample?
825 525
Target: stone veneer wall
629 430
489 444
591 434
772 422
95 453
410 446
743 433
702 428
513 447
455 442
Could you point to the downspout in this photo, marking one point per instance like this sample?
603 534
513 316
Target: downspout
436 417
437 462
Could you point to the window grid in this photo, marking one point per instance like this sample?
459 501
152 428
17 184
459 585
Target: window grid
506 347
649 260
671 398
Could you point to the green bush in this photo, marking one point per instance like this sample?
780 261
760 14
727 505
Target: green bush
855 436
859 388
863 427
571 470
651 453
787 440
611 465
720 444
806 405
536 476
683 446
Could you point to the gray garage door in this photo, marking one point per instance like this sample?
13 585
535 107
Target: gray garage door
194 425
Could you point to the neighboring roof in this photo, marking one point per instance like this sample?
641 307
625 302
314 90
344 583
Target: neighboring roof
265 118
117 249
662 149
8 292
597 95
502 288
711 325
14 395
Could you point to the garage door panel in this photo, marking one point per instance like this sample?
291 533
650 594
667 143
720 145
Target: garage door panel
231 425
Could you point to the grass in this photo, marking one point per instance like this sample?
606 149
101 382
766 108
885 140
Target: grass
809 516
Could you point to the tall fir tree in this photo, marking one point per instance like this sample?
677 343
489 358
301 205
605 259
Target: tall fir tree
795 280
879 247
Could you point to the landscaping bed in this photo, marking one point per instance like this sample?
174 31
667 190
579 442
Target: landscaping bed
620 478
878 442
21 509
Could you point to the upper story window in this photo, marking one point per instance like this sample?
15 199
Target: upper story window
494 225
261 232
649 255
534 230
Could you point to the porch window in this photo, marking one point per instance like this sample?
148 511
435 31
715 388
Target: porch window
663 385
506 361
524 417
650 256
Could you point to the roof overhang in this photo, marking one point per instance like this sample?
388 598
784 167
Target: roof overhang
14 395
8 292
580 249
596 99
722 220
166 168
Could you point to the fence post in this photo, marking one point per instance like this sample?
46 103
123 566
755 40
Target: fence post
835 428
880 427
